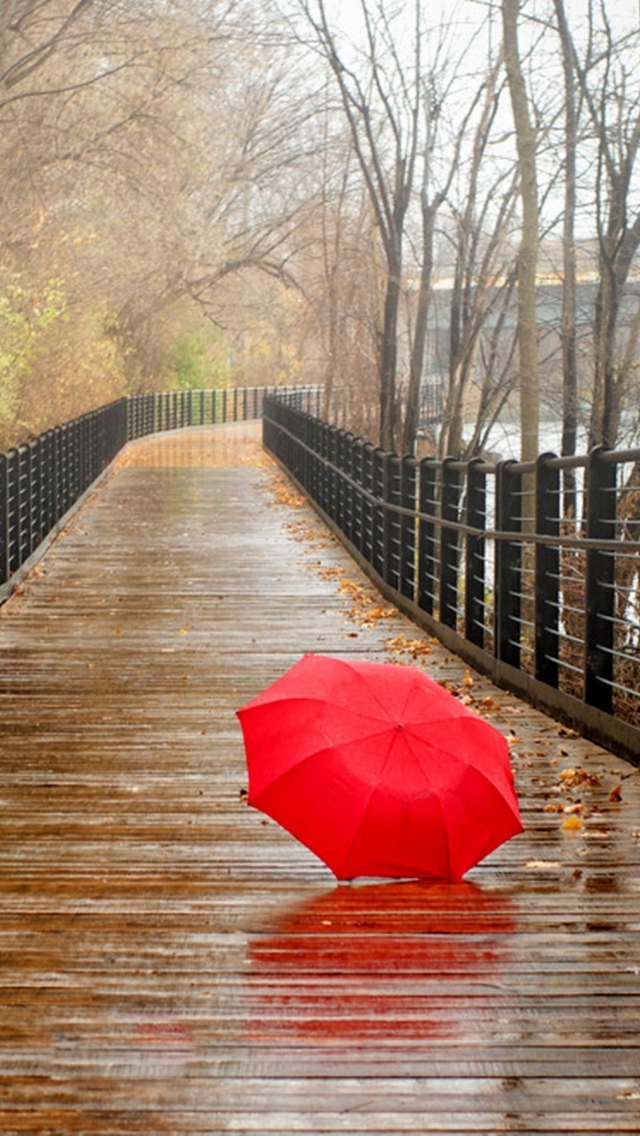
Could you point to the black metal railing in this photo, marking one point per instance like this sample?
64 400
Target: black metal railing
43 478
482 556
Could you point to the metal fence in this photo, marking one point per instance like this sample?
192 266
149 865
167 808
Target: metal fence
484 556
43 478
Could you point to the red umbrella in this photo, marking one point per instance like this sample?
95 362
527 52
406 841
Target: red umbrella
378 770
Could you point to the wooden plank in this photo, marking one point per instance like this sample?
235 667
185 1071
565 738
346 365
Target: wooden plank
171 961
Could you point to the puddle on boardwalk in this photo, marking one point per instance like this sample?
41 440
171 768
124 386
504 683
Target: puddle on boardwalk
198 447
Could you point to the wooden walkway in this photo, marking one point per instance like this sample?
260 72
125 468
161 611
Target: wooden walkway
170 961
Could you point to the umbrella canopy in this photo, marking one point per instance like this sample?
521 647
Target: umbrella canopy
378 770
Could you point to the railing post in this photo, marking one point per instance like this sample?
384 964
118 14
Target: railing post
75 462
35 494
357 500
392 497
408 486
81 451
547 571
63 467
4 521
475 566
348 493
318 467
379 485
339 504
55 471
329 479
508 565
13 512
449 544
22 502
601 480
54 476
427 574
368 452
321 473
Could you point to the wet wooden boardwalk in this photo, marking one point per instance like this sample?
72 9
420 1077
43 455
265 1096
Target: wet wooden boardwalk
171 962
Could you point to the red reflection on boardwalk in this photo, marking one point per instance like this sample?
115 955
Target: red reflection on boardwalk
394 961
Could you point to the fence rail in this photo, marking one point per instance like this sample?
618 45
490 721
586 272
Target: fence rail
482 556
45 477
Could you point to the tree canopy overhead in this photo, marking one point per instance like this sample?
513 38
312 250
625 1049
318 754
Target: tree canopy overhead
215 191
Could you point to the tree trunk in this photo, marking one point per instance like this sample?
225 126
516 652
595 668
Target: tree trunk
601 425
412 413
388 359
528 253
568 323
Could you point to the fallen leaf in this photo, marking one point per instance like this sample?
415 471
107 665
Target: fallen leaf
571 778
616 793
571 823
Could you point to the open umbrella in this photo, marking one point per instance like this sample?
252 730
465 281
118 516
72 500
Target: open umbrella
378 770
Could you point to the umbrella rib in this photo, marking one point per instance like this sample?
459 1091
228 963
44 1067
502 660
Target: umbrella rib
332 746
371 796
321 701
435 798
372 793
357 833
373 692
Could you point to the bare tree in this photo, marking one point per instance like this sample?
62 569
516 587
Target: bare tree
609 83
482 279
380 95
431 200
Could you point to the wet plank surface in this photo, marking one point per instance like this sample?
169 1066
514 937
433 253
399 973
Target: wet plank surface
170 961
